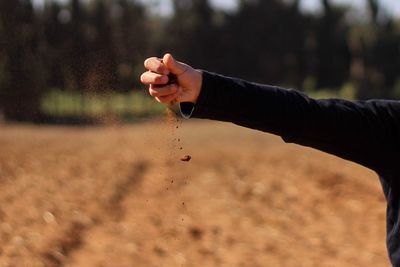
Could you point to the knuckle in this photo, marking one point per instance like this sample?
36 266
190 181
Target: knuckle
142 78
146 63
146 77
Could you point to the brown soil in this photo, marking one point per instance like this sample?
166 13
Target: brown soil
186 158
119 196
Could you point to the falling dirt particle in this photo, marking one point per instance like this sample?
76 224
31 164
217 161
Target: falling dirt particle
183 203
172 181
177 127
181 148
196 233
186 158
179 139
167 188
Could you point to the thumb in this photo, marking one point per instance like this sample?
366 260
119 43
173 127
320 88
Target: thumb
174 66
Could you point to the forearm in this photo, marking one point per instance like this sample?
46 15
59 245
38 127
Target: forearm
256 106
357 131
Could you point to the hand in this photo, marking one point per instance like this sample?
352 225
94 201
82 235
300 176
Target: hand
187 88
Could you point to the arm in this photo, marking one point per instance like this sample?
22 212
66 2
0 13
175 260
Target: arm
365 132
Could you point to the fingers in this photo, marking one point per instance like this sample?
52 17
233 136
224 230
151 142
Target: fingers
157 78
156 65
174 66
153 78
163 91
170 99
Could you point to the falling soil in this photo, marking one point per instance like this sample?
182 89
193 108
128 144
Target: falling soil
174 123
186 158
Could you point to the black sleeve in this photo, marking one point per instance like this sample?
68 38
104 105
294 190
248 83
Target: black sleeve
366 132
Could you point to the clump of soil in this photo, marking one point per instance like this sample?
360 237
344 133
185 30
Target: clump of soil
186 158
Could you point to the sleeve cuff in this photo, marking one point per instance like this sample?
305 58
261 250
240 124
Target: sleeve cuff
186 109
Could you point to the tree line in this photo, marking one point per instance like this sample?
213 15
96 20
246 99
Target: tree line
98 46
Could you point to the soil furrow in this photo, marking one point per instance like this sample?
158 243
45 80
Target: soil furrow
73 239
122 189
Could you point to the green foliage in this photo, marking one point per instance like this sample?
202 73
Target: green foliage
396 90
57 103
347 91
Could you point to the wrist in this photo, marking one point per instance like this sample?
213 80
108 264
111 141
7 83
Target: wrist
198 82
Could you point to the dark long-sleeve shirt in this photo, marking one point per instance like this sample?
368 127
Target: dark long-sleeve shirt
366 132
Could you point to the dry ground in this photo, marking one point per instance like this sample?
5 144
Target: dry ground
119 196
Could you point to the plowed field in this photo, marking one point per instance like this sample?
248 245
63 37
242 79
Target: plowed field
120 196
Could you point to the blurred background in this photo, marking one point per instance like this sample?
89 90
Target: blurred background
113 192
82 59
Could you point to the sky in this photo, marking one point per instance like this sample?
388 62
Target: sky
391 6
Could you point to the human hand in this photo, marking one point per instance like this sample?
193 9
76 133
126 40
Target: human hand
187 87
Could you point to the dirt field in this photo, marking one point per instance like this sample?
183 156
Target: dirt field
119 196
